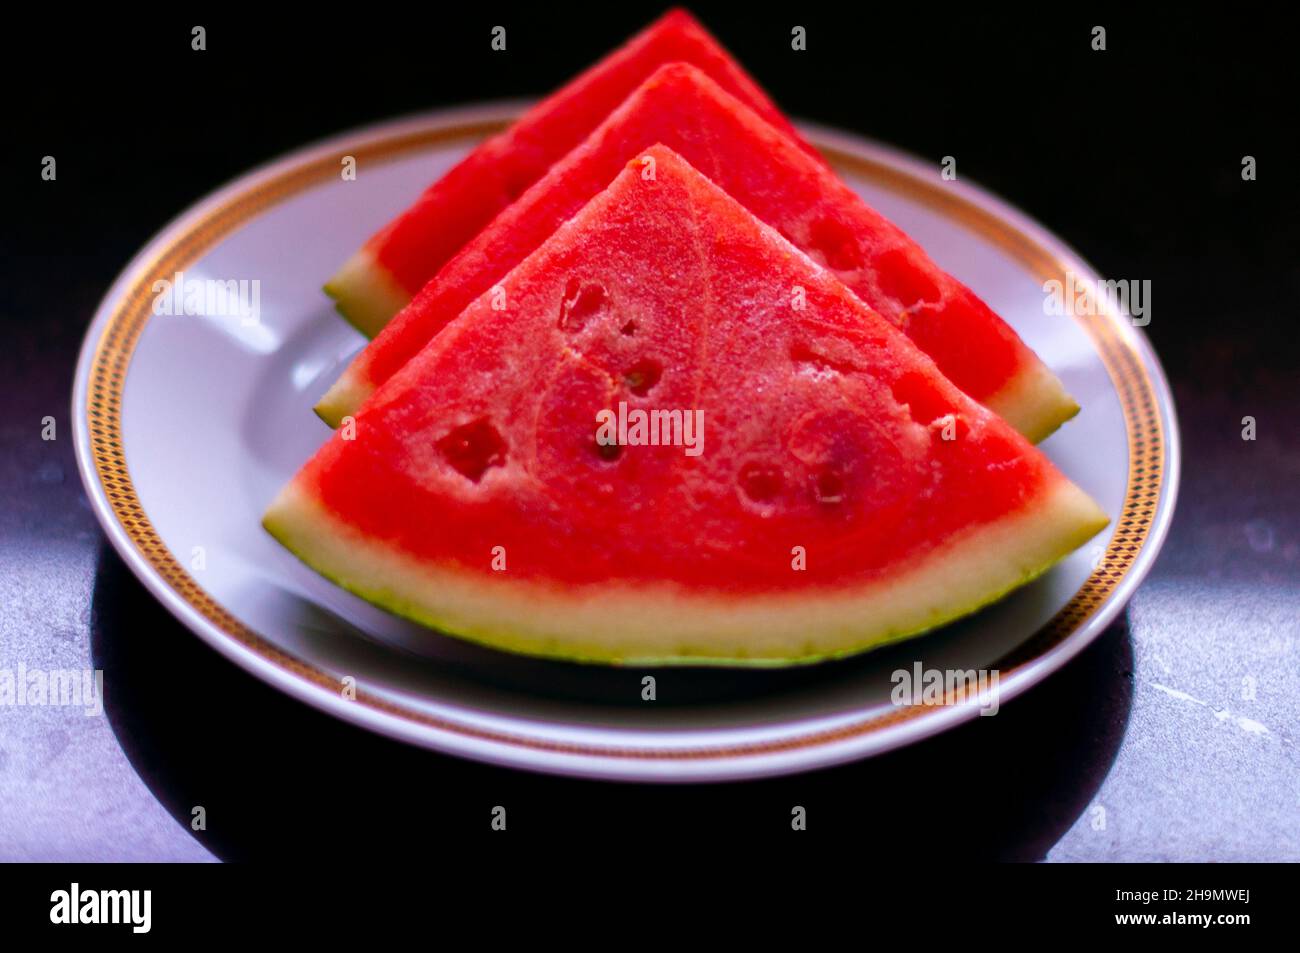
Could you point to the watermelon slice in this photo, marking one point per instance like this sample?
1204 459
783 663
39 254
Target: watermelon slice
823 488
394 264
682 108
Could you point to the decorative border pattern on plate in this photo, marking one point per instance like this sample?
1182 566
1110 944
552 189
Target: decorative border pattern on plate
112 357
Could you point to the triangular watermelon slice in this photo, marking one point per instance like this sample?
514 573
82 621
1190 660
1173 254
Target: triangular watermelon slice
396 262
799 196
817 487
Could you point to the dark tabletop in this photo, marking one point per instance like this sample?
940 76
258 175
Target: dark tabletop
1172 737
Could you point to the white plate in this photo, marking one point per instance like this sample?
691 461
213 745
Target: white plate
186 426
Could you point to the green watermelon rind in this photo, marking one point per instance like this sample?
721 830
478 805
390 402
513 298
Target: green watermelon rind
345 396
365 294
1034 402
341 400
964 575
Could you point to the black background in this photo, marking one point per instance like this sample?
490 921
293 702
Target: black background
1133 155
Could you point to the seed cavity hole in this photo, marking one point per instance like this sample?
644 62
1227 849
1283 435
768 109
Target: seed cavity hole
836 244
473 448
828 486
903 278
925 403
805 352
582 300
761 482
643 375
609 452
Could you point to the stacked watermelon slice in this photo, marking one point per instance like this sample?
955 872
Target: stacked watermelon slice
649 383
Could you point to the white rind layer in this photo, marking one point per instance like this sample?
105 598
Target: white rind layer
669 625
1034 402
343 399
366 294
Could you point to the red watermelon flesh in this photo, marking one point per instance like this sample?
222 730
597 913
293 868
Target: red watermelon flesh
395 263
682 108
845 493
